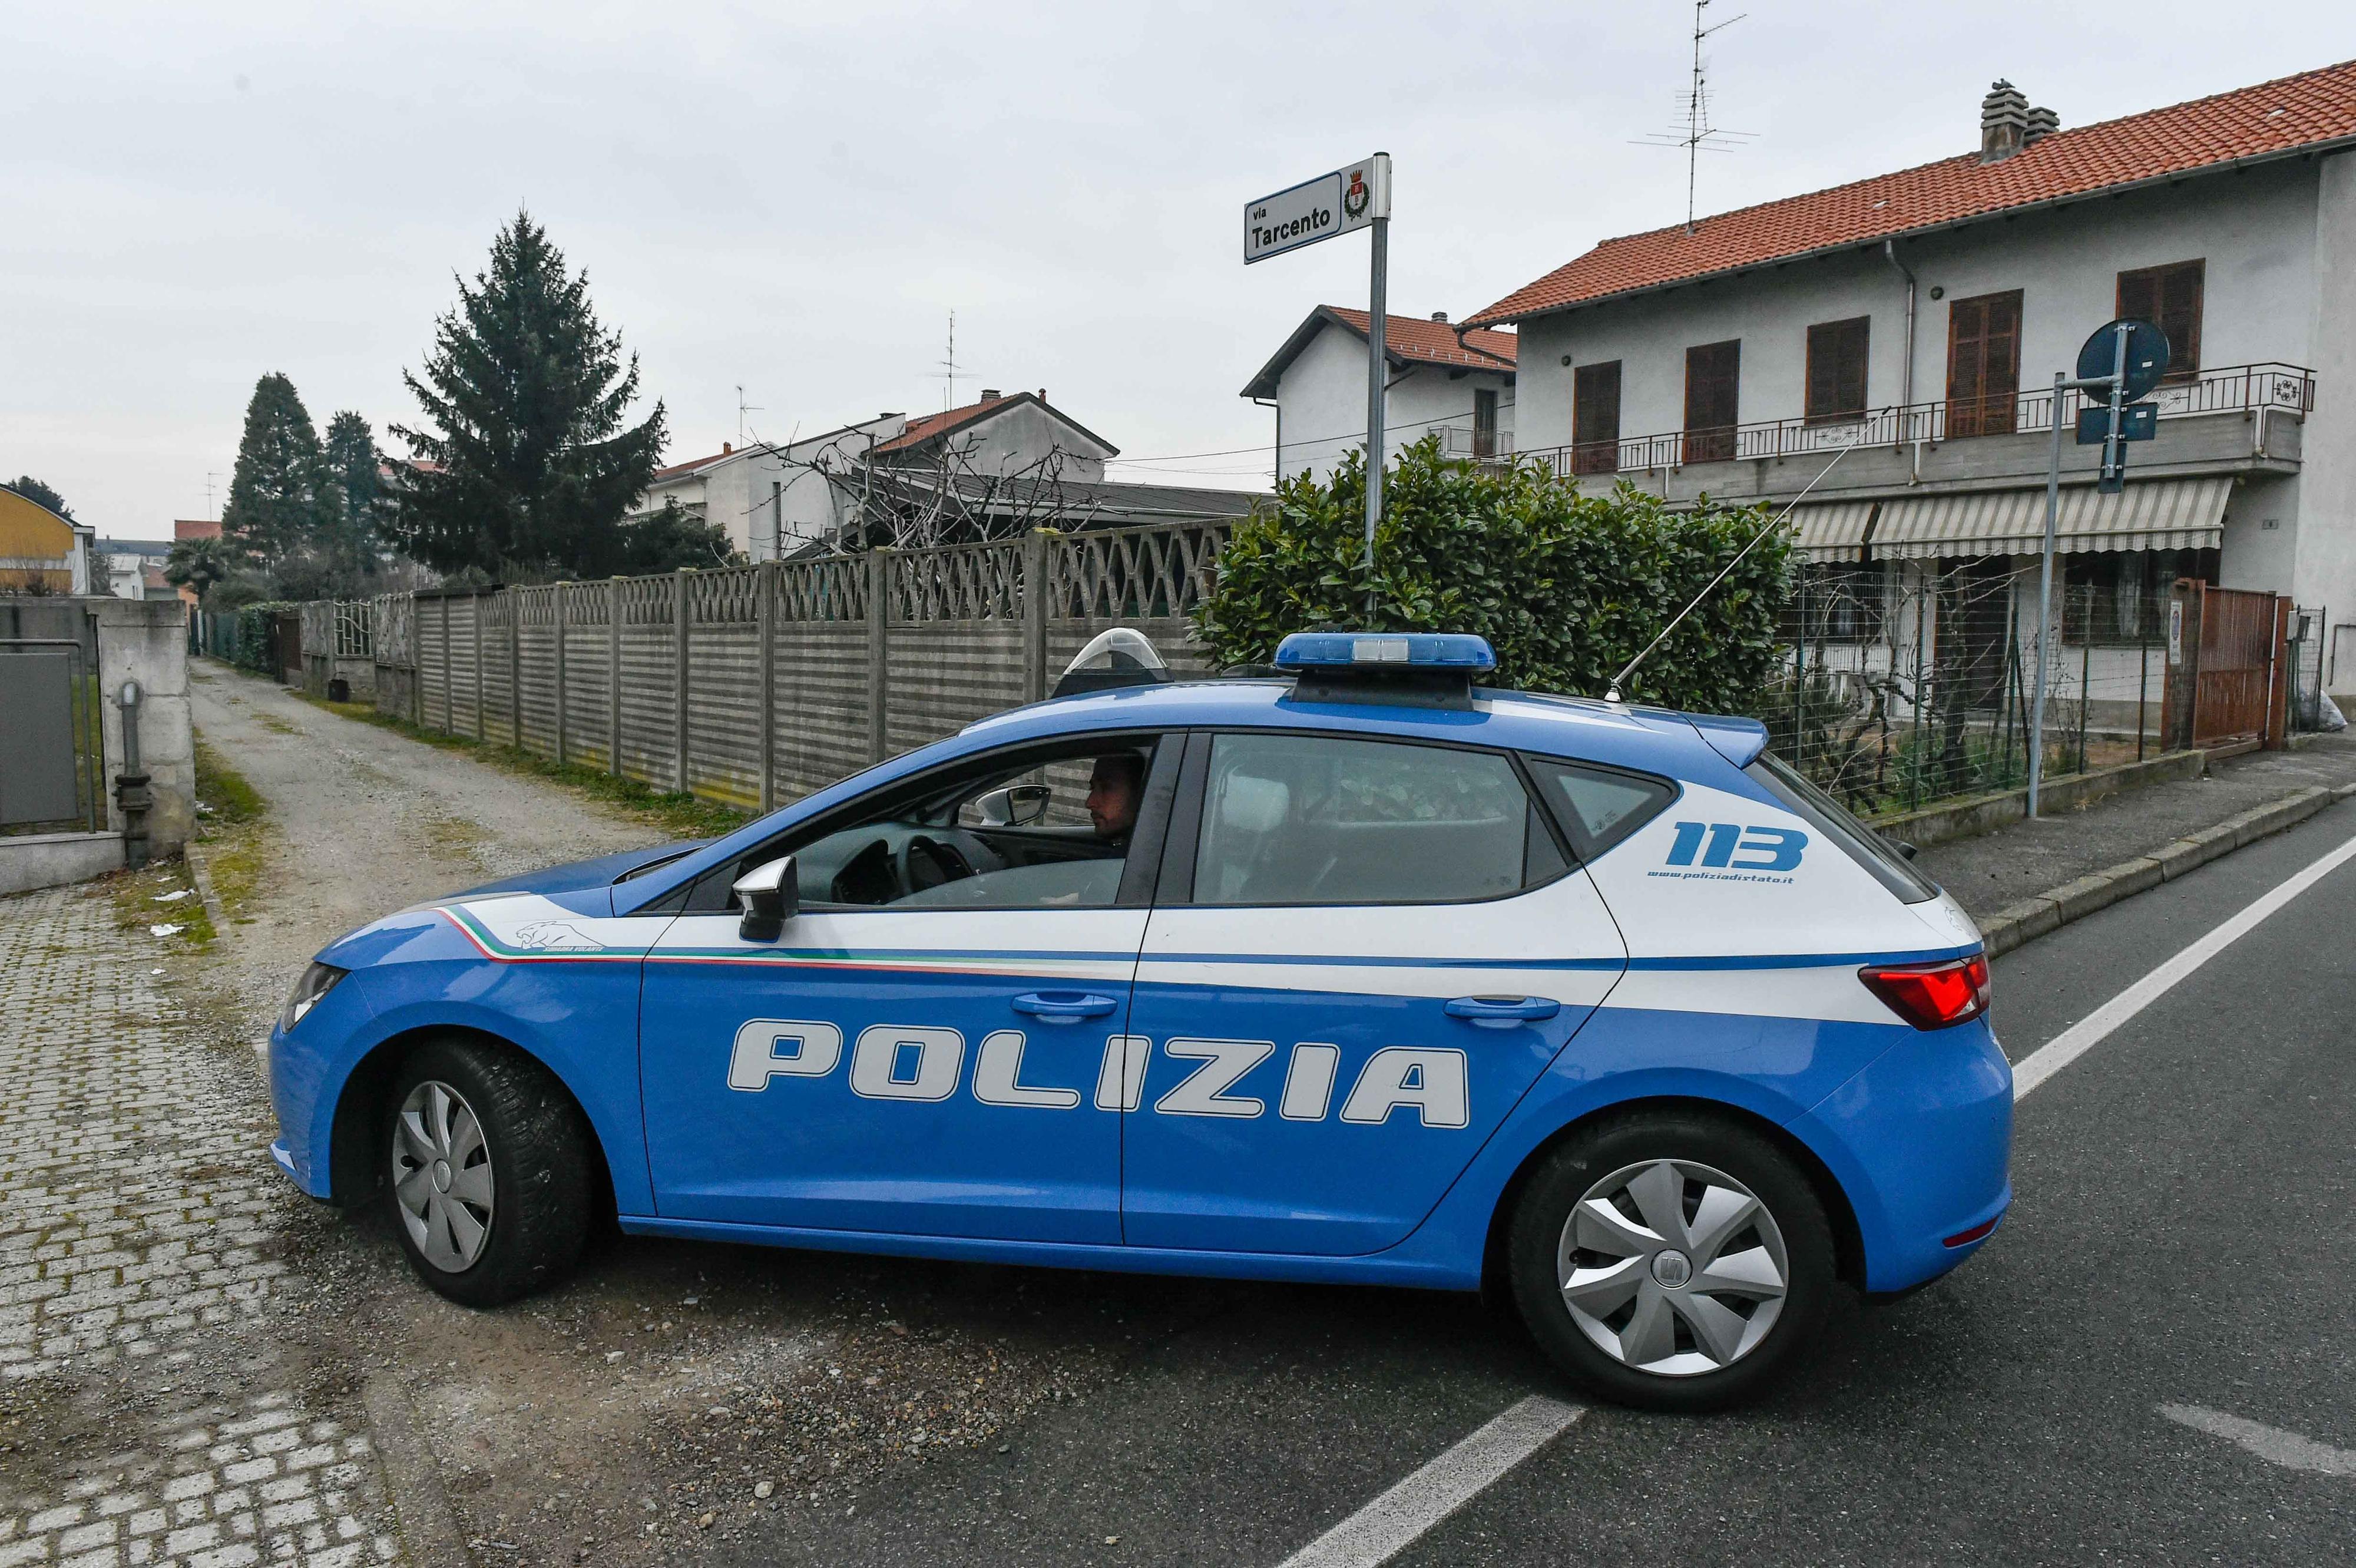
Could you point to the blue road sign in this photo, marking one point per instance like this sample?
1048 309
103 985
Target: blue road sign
2148 353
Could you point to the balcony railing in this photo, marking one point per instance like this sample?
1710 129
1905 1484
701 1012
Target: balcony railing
2224 390
1463 441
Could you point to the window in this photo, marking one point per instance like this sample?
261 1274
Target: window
1040 828
1841 601
1484 422
1599 805
1595 419
2119 598
1836 370
1712 373
1984 365
2169 298
1292 818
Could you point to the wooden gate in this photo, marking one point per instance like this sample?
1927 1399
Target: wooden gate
2225 667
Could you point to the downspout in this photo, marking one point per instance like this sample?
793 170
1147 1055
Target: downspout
1906 372
1271 403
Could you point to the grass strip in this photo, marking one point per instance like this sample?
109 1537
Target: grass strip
682 814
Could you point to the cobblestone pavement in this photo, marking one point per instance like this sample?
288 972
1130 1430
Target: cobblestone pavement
145 1415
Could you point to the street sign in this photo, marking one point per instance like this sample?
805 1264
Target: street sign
2148 353
2137 422
1350 198
1341 203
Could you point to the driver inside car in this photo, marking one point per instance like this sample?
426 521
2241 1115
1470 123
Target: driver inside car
1114 786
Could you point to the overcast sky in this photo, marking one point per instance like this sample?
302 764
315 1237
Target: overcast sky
795 198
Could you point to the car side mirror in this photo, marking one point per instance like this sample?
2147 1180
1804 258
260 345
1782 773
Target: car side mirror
770 896
1904 848
1013 806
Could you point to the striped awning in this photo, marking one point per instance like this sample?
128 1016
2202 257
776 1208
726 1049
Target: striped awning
2149 514
1832 530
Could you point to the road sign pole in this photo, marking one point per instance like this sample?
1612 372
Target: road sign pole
2044 604
1377 374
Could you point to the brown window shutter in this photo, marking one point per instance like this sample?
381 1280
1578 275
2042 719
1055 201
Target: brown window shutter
1595 418
1836 373
2169 297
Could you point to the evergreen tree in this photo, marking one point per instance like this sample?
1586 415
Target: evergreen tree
354 469
278 499
39 494
672 538
528 464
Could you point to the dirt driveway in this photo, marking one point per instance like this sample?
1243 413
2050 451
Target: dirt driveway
672 1396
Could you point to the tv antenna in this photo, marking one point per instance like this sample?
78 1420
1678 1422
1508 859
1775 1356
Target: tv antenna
948 368
1697 135
744 408
210 475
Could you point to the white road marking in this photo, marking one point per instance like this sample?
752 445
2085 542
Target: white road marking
2287 1449
1389 1524
2088 1032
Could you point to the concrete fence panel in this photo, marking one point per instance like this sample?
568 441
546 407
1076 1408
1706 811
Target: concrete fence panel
757 686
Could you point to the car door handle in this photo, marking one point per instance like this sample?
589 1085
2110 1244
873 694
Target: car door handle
1502 1011
1063 1006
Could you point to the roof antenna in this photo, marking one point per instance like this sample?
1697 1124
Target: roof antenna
744 408
948 368
1696 134
1611 692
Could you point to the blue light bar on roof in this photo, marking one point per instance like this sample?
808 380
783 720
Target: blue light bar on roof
1333 651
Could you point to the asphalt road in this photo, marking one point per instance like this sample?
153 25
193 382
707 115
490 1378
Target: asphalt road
2183 1236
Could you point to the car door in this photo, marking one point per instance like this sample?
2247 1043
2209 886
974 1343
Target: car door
1366 952
919 1051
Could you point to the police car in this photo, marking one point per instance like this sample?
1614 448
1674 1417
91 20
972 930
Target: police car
1356 972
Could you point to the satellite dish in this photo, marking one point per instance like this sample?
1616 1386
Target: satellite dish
2148 353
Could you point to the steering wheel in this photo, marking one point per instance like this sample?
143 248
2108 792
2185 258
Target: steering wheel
928 863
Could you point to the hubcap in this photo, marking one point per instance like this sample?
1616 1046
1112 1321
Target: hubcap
441 1177
1673 1268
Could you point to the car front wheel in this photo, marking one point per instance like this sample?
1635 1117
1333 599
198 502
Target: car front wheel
1671 1261
488 1168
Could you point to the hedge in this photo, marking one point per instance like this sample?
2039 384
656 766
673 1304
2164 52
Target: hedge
1565 587
257 635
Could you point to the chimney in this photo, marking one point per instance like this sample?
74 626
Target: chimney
725 448
1440 317
2042 122
2004 121
990 394
1042 394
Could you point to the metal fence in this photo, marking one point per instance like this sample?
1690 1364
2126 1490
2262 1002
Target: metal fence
1909 682
53 768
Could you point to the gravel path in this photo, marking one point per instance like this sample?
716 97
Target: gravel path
365 822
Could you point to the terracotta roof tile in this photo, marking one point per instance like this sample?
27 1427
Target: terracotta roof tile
2269 120
921 430
1435 342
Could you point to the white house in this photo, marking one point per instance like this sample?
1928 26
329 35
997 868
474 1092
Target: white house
771 497
1922 315
1454 381
1017 458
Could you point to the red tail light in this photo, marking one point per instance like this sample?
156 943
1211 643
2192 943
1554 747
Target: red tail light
1932 995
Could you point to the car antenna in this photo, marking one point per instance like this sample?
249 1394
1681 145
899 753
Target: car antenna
1611 692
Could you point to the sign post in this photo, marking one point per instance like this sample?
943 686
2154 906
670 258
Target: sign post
2124 360
1357 196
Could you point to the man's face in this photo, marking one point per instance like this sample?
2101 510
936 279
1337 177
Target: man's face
1112 797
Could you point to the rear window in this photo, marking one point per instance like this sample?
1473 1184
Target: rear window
1829 817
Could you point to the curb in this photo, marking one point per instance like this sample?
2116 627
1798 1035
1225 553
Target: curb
2031 917
203 876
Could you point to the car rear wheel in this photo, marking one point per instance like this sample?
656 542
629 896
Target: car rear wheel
1671 1261
489 1164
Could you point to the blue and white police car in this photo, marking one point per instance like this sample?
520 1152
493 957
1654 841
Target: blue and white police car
1360 972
